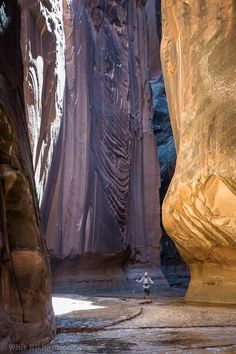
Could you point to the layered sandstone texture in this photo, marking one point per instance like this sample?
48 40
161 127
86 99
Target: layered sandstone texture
199 211
89 115
26 314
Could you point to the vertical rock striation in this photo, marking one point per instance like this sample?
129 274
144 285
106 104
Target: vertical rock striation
43 51
154 29
198 58
80 131
26 314
101 192
144 211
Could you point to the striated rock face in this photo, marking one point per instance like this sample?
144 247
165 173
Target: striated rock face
153 18
43 51
26 314
89 116
144 214
76 128
198 58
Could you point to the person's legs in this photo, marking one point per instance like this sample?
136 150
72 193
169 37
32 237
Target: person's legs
146 292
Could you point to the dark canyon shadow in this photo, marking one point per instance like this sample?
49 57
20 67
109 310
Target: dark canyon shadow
172 265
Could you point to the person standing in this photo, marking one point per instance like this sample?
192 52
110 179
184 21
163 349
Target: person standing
146 281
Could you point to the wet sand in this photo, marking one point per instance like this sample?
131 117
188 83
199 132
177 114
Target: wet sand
134 325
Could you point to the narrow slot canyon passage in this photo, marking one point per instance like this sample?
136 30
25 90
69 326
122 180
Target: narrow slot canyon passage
173 267
117 176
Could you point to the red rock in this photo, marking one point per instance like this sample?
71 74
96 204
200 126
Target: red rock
26 314
76 128
94 153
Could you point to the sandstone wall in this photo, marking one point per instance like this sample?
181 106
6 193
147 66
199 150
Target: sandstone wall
25 305
89 116
76 136
198 58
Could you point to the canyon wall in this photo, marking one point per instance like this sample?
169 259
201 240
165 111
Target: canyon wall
198 59
162 127
89 114
26 314
78 158
77 144
167 157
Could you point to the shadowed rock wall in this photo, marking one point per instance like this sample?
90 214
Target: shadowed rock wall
144 206
75 128
161 122
167 157
95 160
198 59
25 306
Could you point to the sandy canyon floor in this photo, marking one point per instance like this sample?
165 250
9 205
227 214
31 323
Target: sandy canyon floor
123 322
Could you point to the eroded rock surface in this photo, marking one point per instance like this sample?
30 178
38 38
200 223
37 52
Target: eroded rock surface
89 116
76 127
198 57
26 314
